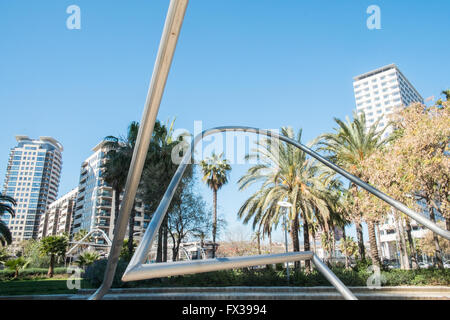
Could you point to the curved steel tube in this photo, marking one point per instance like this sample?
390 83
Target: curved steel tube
141 253
153 227
144 247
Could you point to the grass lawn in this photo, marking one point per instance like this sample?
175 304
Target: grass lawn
39 286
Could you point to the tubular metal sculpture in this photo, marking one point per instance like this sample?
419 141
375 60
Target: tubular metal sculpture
137 269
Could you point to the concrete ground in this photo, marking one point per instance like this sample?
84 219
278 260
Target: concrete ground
254 293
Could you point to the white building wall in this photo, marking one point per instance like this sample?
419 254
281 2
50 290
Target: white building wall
95 203
380 92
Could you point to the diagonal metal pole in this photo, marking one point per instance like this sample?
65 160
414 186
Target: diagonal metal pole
169 39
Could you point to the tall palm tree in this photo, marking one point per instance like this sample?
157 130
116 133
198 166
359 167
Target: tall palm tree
215 174
285 174
6 206
348 146
158 171
117 166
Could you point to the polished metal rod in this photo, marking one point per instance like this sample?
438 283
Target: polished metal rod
172 27
159 270
333 279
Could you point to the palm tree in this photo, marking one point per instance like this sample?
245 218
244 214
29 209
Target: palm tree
6 206
117 166
87 258
257 237
53 246
158 171
80 235
215 175
348 247
350 144
286 175
16 265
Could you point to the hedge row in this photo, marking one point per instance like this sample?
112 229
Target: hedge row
269 277
31 272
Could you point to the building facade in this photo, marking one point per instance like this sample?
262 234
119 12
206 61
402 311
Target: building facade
380 92
389 237
58 217
95 201
32 179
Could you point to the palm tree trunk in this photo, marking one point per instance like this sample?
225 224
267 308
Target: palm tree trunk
214 226
404 246
164 240
294 238
259 243
398 245
159 249
412 248
270 242
373 244
51 266
314 242
359 234
306 244
131 232
404 263
333 245
438 253
344 238
380 250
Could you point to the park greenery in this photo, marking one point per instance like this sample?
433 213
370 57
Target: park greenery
411 164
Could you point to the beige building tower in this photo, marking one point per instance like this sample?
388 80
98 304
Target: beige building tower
58 218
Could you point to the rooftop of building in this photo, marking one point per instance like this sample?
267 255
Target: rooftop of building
50 140
375 72
384 69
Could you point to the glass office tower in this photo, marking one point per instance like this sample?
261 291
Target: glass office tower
32 179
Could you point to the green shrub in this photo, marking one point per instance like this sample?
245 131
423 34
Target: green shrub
268 277
362 265
30 272
419 280
31 252
95 272
279 267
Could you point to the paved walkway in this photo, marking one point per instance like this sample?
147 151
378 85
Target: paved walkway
254 293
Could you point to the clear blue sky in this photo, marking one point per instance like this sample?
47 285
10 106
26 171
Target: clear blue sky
258 63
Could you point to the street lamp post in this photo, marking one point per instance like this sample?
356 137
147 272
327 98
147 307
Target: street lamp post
285 205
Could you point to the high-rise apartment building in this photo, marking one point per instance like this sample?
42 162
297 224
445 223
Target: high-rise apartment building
379 92
58 217
32 179
95 201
